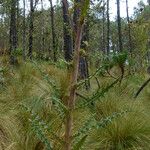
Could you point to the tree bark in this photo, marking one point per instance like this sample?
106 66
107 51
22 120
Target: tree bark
42 31
68 43
13 33
53 32
31 30
24 30
83 67
103 32
119 26
108 29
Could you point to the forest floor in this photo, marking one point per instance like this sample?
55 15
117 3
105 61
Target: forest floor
31 117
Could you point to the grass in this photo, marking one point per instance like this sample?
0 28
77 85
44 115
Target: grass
26 95
130 131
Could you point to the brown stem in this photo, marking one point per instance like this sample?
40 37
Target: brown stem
72 95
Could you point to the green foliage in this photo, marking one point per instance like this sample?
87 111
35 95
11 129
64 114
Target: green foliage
98 94
17 52
62 64
114 59
127 132
37 128
79 145
34 95
84 9
106 119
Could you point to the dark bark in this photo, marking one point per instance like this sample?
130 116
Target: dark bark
68 43
121 65
24 31
53 31
17 21
103 32
119 26
108 29
84 67
13 32
76 15
31 30
142 87
42 31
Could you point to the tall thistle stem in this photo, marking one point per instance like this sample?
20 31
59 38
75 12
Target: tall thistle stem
72 94
73 78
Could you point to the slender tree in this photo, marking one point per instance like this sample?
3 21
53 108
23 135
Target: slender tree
119 26
103 30
129 28
13 32
53 31
108 28
68 43
31 30
121 65
83 67
42 30
24 30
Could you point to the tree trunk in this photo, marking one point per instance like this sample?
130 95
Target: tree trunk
83 68
24 30
53 32
31 30
108 29
13 33
42 31
103 32
68 43
119 26
121 65
129 28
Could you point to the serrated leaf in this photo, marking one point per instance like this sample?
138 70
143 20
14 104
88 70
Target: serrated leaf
79 145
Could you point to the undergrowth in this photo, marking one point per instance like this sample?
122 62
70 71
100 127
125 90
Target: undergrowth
32 108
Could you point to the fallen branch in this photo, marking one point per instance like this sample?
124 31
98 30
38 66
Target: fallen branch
142 87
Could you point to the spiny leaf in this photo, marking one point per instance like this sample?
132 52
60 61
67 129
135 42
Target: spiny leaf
105 121
90 77
86 127
79 145
98 94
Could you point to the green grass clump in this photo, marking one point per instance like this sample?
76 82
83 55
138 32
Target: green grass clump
32 111
130 131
